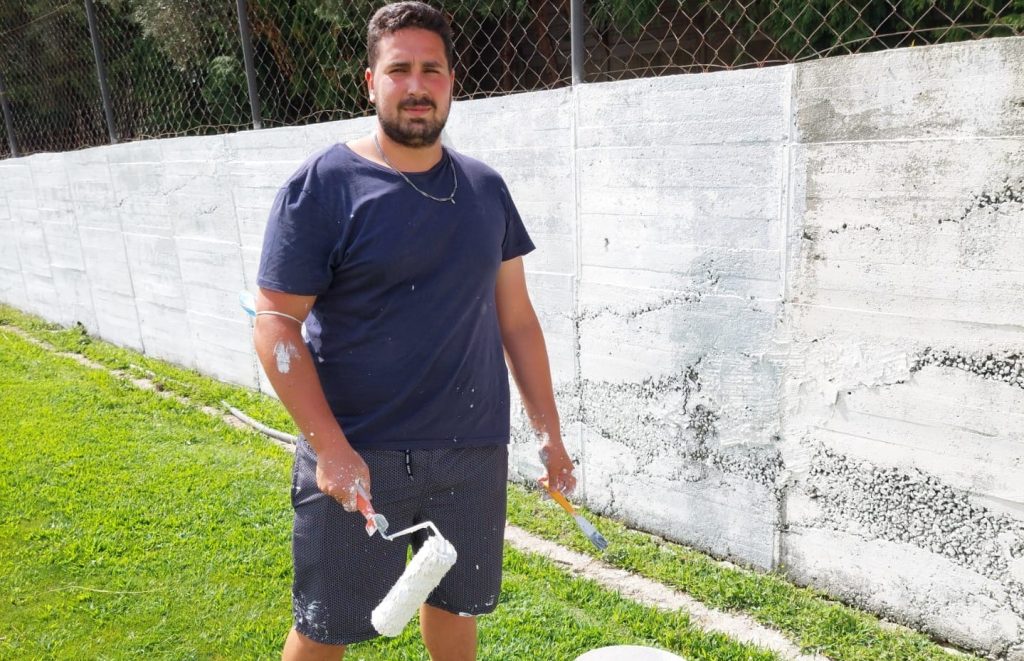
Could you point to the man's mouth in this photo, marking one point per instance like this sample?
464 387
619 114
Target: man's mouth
417 107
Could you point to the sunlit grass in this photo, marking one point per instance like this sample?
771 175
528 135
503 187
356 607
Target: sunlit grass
135 526
809 618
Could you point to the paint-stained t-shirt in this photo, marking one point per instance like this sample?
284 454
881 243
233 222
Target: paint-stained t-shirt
404 331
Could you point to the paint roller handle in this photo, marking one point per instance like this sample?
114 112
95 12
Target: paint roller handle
363 503
365 508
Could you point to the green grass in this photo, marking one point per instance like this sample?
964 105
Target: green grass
134 526
811 619
188 383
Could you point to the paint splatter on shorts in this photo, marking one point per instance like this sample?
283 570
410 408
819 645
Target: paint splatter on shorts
341 574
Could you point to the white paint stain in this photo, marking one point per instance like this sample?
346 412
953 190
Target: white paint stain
313 615
284 353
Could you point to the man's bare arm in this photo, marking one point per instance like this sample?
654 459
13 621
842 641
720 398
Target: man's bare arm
527 357
290 368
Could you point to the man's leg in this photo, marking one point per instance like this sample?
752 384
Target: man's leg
448 637
300 648
333 593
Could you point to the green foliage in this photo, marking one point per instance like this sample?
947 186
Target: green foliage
310 58
805 29
224 85
628 17
48 70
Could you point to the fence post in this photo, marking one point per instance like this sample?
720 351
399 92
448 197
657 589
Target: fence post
577 34
250 69
8 120
101 70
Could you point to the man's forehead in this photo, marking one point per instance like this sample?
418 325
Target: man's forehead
411 44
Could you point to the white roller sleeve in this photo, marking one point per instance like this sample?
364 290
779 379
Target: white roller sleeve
421 576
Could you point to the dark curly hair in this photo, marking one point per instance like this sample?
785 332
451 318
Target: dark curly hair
400 15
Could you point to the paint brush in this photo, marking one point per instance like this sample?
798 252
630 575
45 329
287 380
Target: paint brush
596 538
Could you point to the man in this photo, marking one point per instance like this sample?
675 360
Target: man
404 261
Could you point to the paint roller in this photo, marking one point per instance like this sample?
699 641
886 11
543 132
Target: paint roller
423 573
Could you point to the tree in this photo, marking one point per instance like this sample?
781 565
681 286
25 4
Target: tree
46 61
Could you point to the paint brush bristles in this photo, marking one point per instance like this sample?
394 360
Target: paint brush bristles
596 538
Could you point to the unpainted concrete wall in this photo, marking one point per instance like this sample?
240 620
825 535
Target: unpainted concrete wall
784 307
903 403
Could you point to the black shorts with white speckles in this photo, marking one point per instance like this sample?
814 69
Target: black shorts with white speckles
341 574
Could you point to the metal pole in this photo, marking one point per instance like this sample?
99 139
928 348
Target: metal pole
8 120
250 69
101 70
577 33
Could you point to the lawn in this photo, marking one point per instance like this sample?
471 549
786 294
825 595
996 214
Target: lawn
135 525
183 523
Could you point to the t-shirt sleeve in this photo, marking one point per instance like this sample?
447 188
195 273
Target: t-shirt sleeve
517 240
298 244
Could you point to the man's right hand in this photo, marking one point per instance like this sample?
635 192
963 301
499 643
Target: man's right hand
338 469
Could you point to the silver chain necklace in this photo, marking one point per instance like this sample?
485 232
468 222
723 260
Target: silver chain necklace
455 180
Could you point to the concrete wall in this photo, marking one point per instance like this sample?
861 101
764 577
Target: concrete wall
785 307
903 405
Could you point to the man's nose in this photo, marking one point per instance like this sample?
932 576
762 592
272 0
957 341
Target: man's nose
414 83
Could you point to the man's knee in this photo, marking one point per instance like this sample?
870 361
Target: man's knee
448 636
301 648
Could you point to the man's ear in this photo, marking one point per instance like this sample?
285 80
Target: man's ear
369 85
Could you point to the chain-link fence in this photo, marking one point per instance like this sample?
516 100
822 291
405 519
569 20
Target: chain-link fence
175 68
48 76
651 38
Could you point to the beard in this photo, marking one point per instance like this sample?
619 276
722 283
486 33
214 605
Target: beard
415 132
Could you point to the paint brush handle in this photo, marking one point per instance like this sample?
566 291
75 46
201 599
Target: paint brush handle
562 500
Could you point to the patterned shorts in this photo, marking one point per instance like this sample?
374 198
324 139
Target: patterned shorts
341 574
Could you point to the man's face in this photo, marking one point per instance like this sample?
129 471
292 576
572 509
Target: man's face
411 86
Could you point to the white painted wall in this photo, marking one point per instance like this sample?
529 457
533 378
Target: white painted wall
785 307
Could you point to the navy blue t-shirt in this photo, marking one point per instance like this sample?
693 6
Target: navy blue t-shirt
404 331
